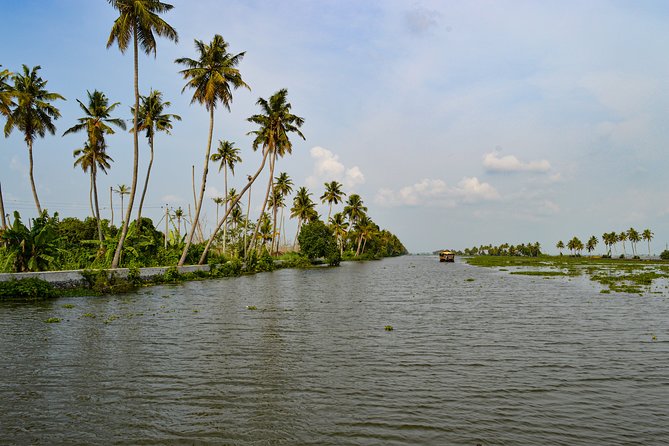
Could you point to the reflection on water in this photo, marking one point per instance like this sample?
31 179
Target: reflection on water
476 356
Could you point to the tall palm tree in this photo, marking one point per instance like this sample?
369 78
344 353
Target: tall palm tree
560 246
284 185
122 190
6 93
33 114
591 244
647 235
96 122
228 156
152 118
333 194
218 201
622 237
276 201
276 121
179 213
303 209
137 22
91 158
213 76
339 226
634 238
367 229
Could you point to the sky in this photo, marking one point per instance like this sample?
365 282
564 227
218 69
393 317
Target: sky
459 123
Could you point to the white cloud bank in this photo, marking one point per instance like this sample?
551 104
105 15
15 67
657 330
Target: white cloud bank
509 163
437 193
327 167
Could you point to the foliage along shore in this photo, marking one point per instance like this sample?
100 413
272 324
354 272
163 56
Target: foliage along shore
613 275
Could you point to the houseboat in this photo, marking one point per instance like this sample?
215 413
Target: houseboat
446 256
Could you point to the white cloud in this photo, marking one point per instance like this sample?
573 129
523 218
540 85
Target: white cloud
172 199
327 167
509 163
212 192
420 20
436 193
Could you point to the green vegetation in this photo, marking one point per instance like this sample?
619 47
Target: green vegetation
52 320
628 276
32 289
388 328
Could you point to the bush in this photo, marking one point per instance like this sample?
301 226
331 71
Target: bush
317 240
665 255
33 289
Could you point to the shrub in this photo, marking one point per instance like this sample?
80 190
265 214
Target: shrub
172 275
32 288
665 255
317 240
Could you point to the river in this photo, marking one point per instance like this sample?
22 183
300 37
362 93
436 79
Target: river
476 356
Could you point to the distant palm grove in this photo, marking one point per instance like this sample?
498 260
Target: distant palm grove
211 75
575 246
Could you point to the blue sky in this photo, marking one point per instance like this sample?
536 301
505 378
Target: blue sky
459 123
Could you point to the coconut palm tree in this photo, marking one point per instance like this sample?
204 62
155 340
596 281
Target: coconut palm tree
122 190
647 235
33 114
138 23
179 213
6 93
276 121
96 122
303 209
218 201
333 194
152 118
91 158
560 246
634 238
622 237
227 155
284 185
339 226
354 208
367 229
212 77
591 244
276 201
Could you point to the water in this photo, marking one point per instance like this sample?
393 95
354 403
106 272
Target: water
476 356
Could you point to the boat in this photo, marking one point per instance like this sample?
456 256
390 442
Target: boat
446 256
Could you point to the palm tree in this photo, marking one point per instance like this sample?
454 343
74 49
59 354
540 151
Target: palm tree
367 229
634 238
591 244
303 208
560 246
333 194
123 190
91 158
179 213
219 201
339 226
227 155
621 238
97 122
276 201
137 22
647 235
6 93
33 114
213 75
152 118
284 185
275 122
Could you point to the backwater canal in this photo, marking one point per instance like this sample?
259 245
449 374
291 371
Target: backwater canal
476 356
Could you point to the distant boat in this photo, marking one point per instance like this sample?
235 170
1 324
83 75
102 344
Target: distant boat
446 256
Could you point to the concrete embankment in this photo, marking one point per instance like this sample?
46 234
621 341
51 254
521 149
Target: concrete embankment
74 279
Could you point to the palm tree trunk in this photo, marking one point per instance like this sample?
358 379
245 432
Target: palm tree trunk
32 179
299 226
205 171
97 208
232 206
146 184
357 251
90 196
4 220
135 164
246 221
274 232
225 226
111 205
270 183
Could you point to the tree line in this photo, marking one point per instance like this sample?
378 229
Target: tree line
610 240
212 75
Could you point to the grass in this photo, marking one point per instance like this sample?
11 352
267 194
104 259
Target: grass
614 275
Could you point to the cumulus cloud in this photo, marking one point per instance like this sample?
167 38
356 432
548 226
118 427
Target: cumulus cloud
435 192
327 167
509 163
171 199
